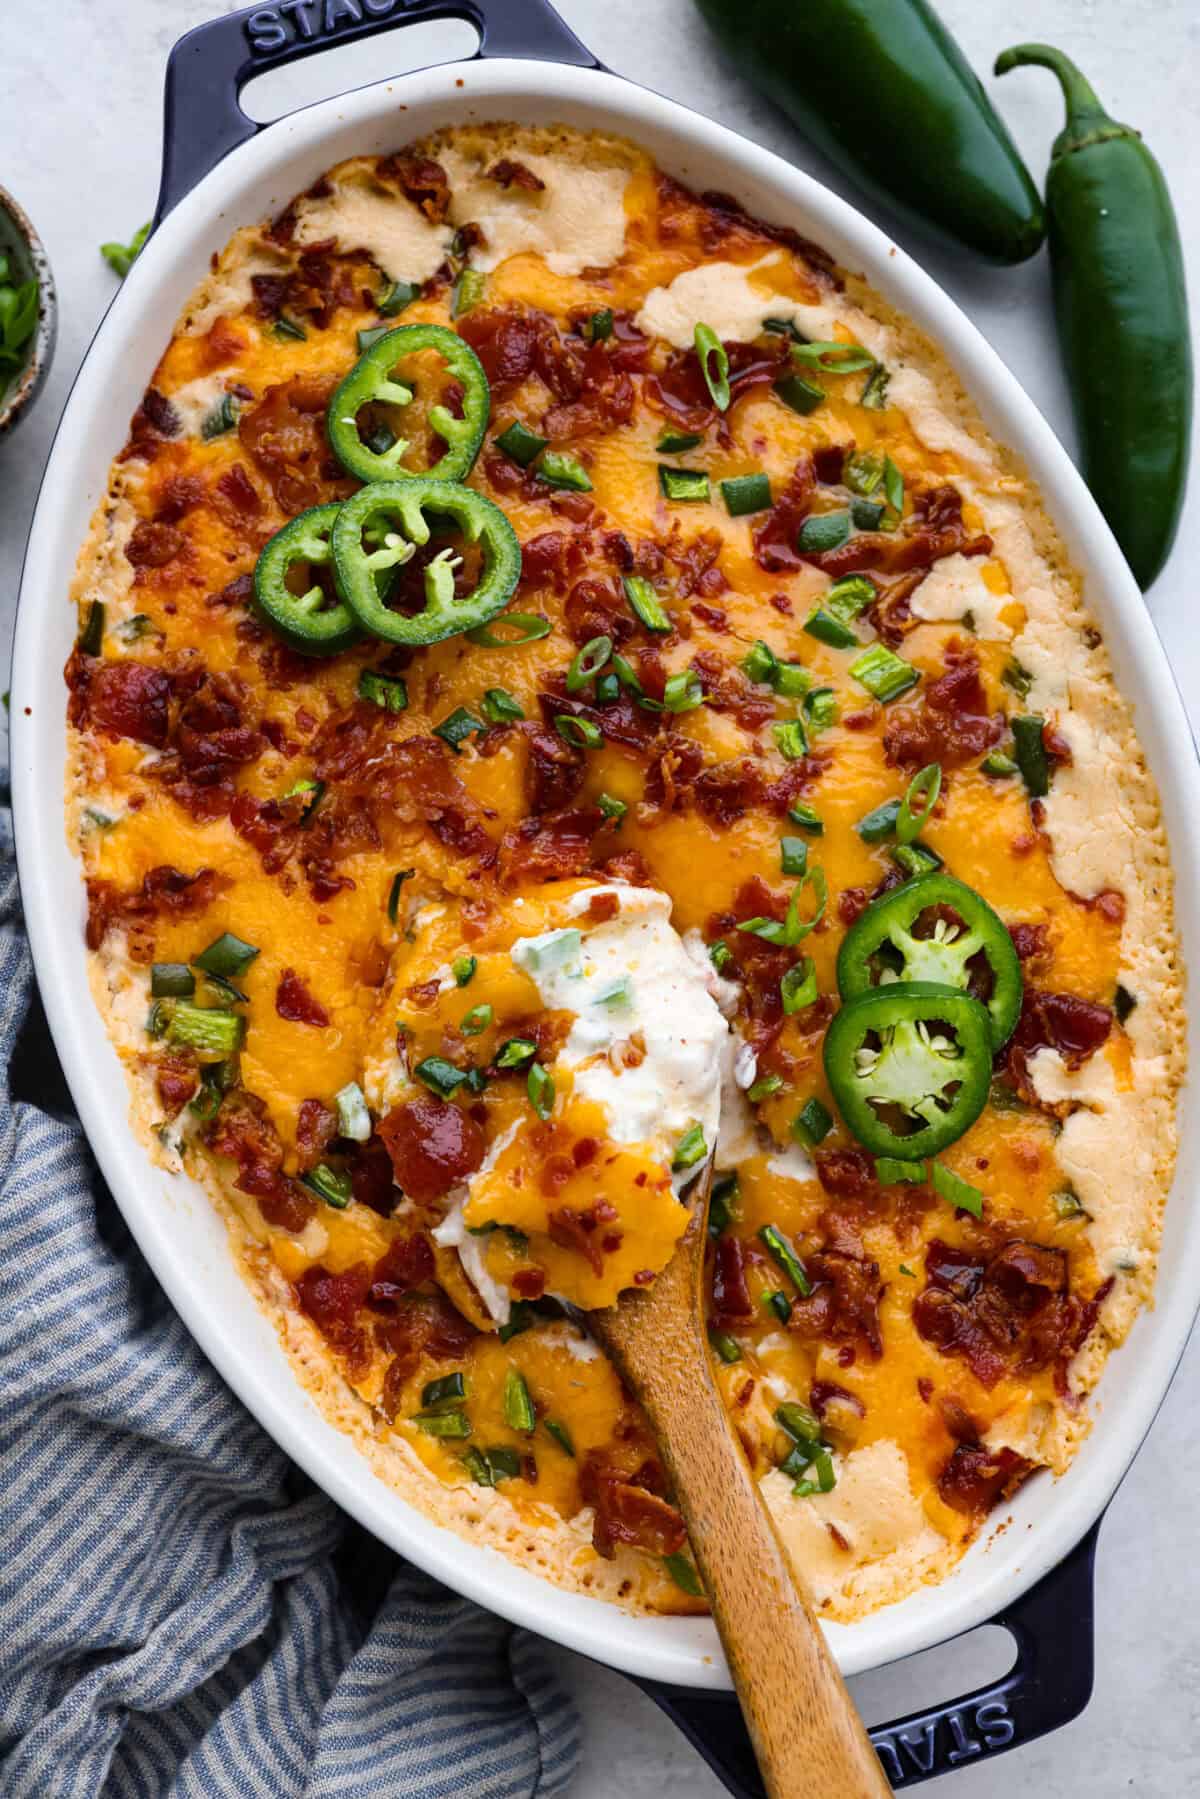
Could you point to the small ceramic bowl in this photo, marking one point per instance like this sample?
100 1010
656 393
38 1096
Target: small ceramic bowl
22 245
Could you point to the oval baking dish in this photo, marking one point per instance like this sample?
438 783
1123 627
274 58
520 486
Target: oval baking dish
244 175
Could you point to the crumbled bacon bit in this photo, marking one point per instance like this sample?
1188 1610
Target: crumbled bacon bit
550 849
952 725
424 181
294 1002
974 1478
554 770
404 1265
333 1302
176 1079
126 699
422 1324
153 545
316 1127
627 1512
506 172
433 1145
164 891
1075 1027
243 1131
284 437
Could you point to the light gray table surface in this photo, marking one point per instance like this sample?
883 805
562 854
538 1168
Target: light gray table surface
80 128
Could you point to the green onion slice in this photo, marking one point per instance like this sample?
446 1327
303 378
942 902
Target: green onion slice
918 802
682 485
520 444
518 1406
714 366
812 1123
559 469
440 1076
798 988
539 1085
884 674
500 707
525 627
744 494
781 1251
960 1194
581 733
476 1020
227 955
588 662
456 729
387 691
690 1149
354 1119
645 603
673 443
827 629
393 903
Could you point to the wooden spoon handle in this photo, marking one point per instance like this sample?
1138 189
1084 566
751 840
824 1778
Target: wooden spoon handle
806 1733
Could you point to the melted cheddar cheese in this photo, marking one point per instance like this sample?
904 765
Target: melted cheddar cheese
222 783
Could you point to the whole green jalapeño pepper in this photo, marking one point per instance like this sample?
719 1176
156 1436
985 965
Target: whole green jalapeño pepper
881 946
1120 302
306 619
885 92
910 1066
382 526
371 382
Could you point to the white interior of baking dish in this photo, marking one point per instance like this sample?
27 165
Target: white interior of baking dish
171 1219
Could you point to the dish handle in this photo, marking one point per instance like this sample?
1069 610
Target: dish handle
1049 1684
209 67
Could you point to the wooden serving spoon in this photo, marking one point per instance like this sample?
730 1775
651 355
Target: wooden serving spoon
806 1733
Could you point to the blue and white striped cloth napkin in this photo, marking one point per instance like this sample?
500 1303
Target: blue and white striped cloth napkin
181 1612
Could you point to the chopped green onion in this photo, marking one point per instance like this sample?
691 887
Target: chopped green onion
906 1270
221 419
521 445
690 1149
918 802
460 725
822 1466
714 365
627 677
884 674
552 951
867 515
820 708
793 927
826 629
491 1465
672 443
781 1251
833 358
476 1020
801 1424
725 1347
722 1203
398 880
798 988
284 329
874 393
892 1171
791 680
997 765
790 739
812 1123
387 691
579 732
526 627
608 689
540 1087
913 859
521 1317
588 662
440 1076
793 855
720 955
223 992
500 707
863 472
561 1435
961 1195
599 326
801 395
645 603
682 485
1123 1003
214 1035
516 1052
444 1393
682 692
463 969
764 1088
823 531
443 1424
369 337
1068 1204
467 292
684 1575
783 328
354 1120
560 469
613 809
880 824
848 598
139 626
172 980
893 485
1018 677
121 257
617 993
518 1406
334 1188
744 494
205 1102
91 635
1032 760
807 817
227 955
760 662
778 1303
399 295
